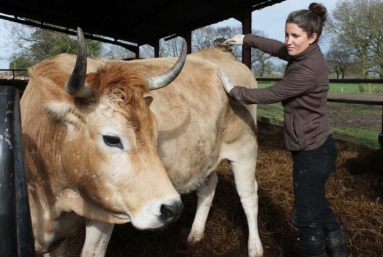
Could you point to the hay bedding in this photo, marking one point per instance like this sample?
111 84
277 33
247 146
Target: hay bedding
355 192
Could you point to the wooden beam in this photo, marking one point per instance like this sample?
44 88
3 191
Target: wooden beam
188 38
229 10
246 29
157 48
137 53
71 31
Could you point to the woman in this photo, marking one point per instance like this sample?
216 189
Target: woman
307 131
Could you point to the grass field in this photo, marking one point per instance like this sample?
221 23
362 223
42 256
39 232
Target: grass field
351 122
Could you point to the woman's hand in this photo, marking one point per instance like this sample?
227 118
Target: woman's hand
236 40
227 84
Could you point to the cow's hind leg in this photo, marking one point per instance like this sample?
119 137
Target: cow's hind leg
97 235
243 167
60 251
205 195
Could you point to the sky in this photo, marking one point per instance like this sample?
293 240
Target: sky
271 20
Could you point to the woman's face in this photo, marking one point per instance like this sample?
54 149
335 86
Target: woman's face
296 39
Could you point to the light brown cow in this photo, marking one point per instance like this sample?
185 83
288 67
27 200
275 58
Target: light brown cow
90 151
198 126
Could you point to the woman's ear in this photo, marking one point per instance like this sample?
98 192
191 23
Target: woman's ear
313 38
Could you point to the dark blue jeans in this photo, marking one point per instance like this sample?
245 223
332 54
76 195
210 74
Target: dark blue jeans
312 214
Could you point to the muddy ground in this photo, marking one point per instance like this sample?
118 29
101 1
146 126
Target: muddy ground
367 117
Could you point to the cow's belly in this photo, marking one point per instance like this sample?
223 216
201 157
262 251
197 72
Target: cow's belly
189 160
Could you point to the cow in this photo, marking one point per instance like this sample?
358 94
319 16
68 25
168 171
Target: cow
198 125
90 150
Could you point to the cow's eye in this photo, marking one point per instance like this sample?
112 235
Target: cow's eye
113 141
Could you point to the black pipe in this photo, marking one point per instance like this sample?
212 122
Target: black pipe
25 240
8 242
16 237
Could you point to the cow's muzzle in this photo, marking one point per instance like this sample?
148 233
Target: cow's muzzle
171 212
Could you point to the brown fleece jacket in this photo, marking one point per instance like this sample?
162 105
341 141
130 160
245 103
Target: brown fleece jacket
302 91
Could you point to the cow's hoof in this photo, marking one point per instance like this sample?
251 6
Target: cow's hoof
194 237
255 250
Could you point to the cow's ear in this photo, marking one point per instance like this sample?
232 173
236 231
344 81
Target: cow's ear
55 101
148 99
62 109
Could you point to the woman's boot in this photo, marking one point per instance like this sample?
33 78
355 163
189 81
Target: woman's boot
311 248
336 243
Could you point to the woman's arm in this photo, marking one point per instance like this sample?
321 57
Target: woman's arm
298 82
270 46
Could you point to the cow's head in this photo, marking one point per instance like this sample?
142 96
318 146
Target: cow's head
109 150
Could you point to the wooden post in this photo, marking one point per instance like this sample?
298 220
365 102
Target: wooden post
361 87
188 38
157 48
246 29
380 137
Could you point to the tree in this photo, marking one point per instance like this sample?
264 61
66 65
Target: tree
38 44
20 63
259 64
116 52
281 68
204 38
168 48
356 26
377 44
171 47
338 60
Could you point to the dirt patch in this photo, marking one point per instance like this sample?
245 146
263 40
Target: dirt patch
366 117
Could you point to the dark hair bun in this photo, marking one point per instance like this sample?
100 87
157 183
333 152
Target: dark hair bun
319 10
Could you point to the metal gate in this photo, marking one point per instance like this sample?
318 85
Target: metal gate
15 220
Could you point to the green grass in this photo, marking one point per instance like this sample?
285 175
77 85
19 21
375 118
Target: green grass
358 136
374 89
354 108
272 111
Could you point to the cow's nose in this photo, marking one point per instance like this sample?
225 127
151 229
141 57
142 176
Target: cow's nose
171 212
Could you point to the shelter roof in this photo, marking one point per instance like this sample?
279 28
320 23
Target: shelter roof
127 22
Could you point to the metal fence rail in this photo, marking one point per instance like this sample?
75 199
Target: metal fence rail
15 220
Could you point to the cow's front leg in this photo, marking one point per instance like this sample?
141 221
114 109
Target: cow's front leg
244 175
97 235
205 194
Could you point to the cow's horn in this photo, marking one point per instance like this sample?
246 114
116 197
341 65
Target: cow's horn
76 83
166 78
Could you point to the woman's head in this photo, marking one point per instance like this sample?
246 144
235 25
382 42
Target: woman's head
307 25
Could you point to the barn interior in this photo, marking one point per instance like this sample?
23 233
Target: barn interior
355 189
